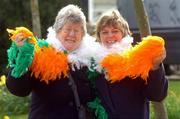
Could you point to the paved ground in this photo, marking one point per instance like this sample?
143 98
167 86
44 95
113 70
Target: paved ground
174 77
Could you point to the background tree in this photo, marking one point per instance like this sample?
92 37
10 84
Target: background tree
144 28
36 25
49 9
13 13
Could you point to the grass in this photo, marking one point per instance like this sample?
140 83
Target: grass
172 101
23 116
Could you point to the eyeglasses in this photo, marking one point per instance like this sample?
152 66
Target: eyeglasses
71 30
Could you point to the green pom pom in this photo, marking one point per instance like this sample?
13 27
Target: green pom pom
92 74
42 43
20 58
100 112
12 54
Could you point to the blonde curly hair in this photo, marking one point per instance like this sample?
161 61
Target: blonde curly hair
112 18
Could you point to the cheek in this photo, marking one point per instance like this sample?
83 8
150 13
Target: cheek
79 38
119 37
59 35
79 41
102 38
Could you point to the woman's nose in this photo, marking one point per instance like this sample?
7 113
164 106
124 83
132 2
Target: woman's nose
110 34
72 33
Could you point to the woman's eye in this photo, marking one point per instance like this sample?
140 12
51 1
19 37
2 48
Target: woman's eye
116 31
104 32
67 30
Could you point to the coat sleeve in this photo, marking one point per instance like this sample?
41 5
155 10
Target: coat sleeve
19 86
157 85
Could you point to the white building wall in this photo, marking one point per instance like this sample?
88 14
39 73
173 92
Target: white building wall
97 7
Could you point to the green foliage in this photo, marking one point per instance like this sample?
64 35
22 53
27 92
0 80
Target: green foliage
24 116
13 13
172 101
12 105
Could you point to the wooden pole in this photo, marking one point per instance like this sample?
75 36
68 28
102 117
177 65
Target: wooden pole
144 28
35 18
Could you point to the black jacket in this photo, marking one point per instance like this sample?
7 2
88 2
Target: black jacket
54 100
129 99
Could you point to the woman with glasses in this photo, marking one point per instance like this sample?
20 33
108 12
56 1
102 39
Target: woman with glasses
57 77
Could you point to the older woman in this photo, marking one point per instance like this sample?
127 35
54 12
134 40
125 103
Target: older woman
127 99
62 97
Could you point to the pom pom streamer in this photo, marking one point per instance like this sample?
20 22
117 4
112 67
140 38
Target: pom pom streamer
134 62
20 58
44 61
48 64
25 32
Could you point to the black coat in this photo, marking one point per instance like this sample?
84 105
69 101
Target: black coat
54 100
129 99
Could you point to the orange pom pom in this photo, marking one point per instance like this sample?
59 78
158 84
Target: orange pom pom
136 61
48 64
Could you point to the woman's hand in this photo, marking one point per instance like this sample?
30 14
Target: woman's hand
158 60
19 40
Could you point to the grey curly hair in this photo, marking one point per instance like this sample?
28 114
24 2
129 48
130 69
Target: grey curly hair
70 13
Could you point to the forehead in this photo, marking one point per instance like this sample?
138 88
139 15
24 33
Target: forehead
70 24
107 27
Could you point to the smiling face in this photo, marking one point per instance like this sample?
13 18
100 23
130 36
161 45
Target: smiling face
111 27
70 35
110 35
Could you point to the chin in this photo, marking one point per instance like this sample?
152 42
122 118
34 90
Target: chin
70 49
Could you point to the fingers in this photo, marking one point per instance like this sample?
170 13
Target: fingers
158 60
19 39
164 54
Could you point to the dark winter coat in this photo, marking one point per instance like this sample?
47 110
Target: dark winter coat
54 100
129 99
